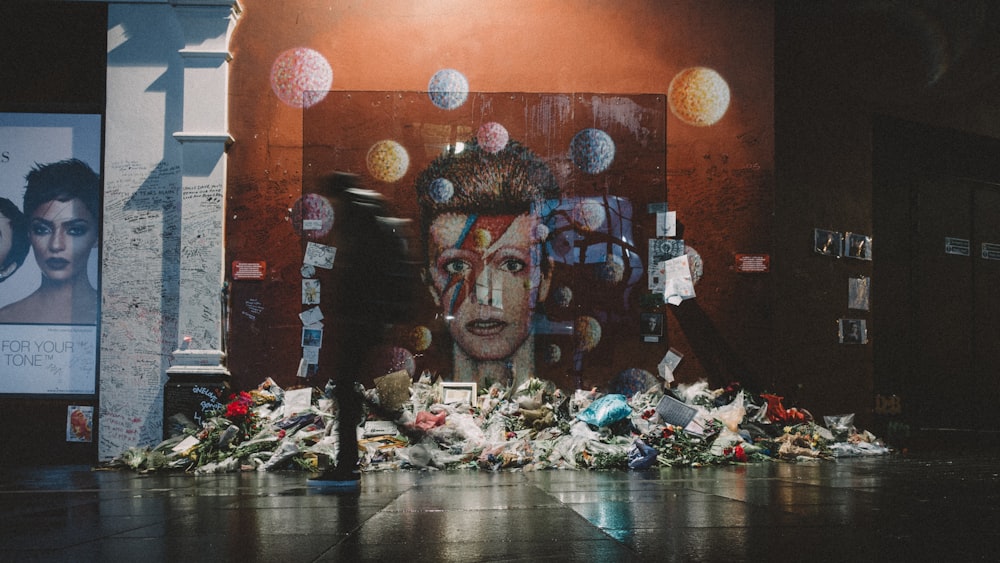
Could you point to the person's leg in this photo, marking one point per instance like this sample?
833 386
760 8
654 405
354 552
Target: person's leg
347 365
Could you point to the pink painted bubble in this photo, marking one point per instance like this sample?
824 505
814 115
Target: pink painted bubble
301 77
492 137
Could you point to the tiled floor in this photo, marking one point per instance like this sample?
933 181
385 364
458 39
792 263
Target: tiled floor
929 507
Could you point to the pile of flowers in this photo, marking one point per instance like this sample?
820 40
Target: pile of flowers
531 427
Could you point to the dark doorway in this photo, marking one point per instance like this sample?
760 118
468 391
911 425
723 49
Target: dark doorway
936 211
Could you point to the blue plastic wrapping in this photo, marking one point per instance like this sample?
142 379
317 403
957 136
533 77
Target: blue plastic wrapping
606 410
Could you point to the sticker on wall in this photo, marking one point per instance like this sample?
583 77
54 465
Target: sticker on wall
592 150
990 251
387 161
957 246
301 77
448 89
698 96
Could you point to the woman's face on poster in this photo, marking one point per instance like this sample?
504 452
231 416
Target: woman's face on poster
6 238
62 235
486 275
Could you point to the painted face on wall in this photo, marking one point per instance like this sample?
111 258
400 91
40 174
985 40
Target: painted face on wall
62 235
486 275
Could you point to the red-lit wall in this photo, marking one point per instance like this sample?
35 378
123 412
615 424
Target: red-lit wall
718 178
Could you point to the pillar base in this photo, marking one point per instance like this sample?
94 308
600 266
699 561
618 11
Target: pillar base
197 388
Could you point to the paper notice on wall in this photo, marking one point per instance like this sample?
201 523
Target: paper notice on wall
319 255
669 364
666 224
310 292
678 284
311 317
80 423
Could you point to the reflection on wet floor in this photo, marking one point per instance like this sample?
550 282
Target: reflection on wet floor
941 506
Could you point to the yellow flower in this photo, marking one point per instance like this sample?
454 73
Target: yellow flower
788 430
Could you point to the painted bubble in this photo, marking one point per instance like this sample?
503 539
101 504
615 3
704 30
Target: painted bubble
592 150
312 216
441 190
589 215
301 77
388 161
611 271
421 338
633 380
448 89
698 96
492 137
695 263
396 359
586 333
562 296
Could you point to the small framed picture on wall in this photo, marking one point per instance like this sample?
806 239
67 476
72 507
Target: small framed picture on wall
827 243
857 246
853 331
651 326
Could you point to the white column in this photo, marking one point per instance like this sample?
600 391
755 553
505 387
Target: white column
207 26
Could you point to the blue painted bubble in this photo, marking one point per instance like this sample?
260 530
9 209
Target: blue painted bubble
592 150
448 89
441 190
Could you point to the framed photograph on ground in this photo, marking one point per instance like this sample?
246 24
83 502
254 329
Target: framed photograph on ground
454 392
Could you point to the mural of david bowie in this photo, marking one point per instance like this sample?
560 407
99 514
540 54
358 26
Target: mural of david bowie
486 265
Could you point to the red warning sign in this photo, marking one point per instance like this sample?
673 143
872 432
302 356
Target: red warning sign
753 263
249 270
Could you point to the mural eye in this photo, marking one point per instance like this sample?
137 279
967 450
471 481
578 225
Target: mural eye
457 267
513 265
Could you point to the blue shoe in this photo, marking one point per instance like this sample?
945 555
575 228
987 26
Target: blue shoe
338 479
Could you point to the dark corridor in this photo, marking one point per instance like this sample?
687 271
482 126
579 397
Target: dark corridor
936 338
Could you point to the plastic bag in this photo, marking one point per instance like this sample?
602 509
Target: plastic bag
841 425
732 414
606 411
641 456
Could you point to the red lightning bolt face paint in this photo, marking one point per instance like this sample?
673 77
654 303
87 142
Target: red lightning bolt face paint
486 275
